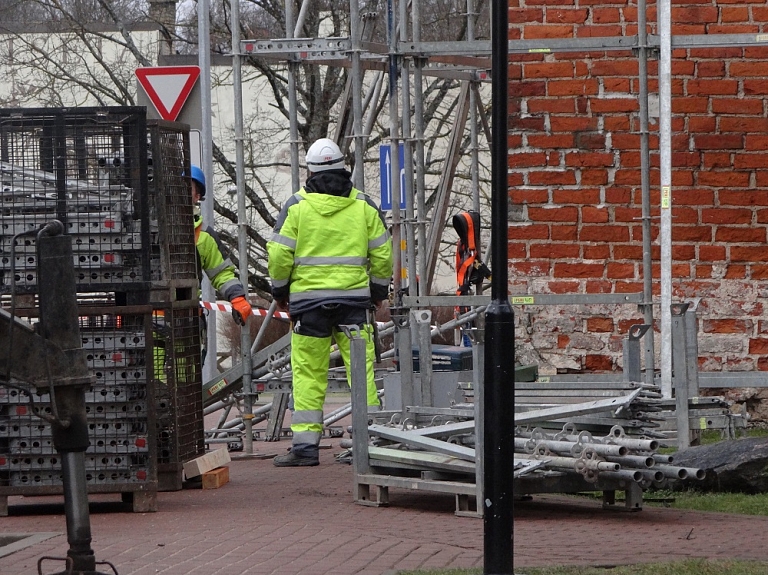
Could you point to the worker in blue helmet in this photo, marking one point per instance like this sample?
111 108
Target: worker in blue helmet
213 257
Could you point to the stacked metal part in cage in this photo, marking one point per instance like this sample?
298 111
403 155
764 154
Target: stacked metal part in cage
119 187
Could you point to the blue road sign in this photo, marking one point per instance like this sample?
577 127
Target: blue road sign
385 169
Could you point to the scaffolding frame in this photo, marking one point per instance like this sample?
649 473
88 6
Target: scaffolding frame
407 55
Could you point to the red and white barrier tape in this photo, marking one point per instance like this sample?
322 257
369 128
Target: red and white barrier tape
227 307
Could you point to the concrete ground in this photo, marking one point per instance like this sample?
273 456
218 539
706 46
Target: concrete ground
303 521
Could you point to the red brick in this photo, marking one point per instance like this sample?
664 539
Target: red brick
701 124
529 268
710 69
555 251
551 105
528 196
748 161
528 232
606 15
703 271
720 179
526 123
683 252
693 197
593 362
615 67
563 341
719 142
735 272
682 178
618 195
749 254
716 160
621 214
758 346
517 251
628 287
554 214
586 87
548 31
597 252
609 105
759 272
552 178
692 233
616 270
615 123
620 85
572 123
628 252
755 87
580 196
598 31
598 286
735 14
726 216
733 29
593 177
740 235
526 15
743 198
684 215
558 141
711 253
578 270
743 124
683 30
548 70
694 14
563 286
592 215
564 233
748 106
604 233
590 140
526 159
626 142
525 89
589 159
753 142
600 324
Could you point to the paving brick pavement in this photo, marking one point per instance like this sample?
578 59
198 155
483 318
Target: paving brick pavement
303 521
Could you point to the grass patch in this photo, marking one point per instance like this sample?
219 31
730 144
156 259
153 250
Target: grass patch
689 567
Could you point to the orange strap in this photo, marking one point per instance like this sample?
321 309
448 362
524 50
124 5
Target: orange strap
463 267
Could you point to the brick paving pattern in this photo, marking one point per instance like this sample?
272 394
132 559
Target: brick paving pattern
303 521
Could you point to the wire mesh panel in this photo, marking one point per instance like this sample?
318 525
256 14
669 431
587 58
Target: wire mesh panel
119 408
177 385
174 259
86 167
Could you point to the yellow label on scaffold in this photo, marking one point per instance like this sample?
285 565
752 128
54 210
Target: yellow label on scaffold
522 300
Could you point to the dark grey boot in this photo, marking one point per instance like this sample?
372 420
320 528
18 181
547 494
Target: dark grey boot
290 459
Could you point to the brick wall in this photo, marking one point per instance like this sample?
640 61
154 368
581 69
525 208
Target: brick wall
574 178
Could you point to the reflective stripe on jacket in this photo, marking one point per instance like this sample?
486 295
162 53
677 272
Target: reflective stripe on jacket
327 247
214 262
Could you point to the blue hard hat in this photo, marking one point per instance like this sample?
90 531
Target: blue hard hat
199 177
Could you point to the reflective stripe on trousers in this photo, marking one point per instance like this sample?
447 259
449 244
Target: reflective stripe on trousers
310 358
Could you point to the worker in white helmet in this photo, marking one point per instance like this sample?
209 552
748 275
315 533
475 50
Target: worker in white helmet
330 259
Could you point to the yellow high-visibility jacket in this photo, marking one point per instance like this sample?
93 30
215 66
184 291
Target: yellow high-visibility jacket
330 249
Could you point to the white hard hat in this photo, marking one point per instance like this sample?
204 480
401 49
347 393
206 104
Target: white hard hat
323 155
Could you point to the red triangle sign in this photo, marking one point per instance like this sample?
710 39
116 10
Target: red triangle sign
168 87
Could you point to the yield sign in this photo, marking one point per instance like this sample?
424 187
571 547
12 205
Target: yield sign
168 87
